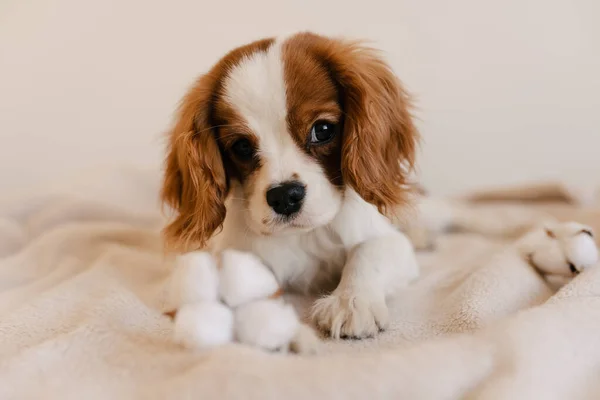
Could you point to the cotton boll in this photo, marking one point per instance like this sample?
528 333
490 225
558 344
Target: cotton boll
195 278
204 325
243 278
268 324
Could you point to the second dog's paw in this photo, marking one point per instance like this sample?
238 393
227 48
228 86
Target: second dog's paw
356 315
564 249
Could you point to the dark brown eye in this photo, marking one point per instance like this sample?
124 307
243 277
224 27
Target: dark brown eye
243 149
322 132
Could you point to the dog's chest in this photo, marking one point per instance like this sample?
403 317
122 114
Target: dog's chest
303 262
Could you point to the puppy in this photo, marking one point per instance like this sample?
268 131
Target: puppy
295 149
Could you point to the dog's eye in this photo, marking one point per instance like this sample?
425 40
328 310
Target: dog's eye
322 131
243 149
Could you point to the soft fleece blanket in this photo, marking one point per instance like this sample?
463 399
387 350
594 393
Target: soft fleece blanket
82 290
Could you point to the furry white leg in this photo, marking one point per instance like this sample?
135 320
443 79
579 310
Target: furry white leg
433 216
375 269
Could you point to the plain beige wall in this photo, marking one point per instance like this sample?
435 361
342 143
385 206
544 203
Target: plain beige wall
508 91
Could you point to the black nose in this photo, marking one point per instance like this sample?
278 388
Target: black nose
286 198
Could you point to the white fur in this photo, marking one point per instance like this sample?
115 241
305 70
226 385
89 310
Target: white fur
194 279
203 325
256 89
373 258
334 233
244 278
268 324
381 262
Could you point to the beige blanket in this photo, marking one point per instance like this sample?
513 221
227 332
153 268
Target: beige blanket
82 287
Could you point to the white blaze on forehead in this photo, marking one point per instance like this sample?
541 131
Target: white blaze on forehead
256 89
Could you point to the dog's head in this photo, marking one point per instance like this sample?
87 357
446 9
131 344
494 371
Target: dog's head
292 123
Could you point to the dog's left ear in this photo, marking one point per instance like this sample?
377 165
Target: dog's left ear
195 183
380 139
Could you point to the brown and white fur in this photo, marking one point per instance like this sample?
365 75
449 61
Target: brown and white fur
330 120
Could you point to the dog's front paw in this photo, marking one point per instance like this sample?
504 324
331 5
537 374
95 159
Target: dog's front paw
353 315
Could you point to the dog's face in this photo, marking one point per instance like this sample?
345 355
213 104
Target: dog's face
280 133
292 123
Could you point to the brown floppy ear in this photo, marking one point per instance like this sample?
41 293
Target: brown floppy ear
195 184
380 139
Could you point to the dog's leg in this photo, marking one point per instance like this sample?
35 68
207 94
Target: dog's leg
375 269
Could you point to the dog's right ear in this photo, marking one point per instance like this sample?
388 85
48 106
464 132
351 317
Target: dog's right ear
195 184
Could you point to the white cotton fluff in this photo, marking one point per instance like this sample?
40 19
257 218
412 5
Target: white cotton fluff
195 278
268 324
217 305
244 278
204 325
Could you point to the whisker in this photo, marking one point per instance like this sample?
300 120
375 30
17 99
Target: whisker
214 126
229 135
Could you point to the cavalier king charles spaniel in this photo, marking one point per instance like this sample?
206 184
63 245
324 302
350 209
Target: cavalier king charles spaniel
297 149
